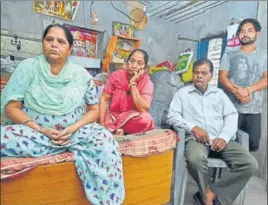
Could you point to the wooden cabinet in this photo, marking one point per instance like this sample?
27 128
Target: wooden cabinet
118 50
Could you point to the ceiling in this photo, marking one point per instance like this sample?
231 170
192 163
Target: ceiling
178 11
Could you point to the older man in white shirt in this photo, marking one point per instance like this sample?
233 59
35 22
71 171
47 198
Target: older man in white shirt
210 121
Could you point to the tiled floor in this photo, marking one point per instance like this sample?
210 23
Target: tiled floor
257 192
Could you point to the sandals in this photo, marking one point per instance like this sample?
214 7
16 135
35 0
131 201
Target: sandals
198 199
216 201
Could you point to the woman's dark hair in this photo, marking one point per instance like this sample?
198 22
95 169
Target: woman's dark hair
202 62
145 55
67 33
256 25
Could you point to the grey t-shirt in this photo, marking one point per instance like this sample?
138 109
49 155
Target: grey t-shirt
245 70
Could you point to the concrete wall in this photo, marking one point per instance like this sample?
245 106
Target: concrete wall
158 38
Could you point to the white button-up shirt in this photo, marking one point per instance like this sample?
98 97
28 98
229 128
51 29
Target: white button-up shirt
212 111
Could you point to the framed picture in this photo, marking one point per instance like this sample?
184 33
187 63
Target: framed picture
85 41
183 62
123 29
61 9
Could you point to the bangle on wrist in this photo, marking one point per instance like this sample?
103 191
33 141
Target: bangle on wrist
249 90
132 84
26 121
234 90
30 120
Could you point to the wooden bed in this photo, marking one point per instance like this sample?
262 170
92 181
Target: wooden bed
147 182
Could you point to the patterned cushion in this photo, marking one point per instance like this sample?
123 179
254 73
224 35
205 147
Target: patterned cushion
148 143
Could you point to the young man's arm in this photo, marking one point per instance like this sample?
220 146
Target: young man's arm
224 74
260 85
227 84
241 93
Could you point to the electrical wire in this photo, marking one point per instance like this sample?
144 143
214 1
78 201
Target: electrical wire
127 15
90 9
105 31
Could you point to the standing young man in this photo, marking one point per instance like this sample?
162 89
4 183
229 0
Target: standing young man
243 74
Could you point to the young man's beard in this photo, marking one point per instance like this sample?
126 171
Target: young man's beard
250 42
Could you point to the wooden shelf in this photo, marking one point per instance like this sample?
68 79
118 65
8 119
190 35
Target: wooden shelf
112 47
134 39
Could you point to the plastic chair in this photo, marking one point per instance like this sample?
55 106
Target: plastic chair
179 172
217 165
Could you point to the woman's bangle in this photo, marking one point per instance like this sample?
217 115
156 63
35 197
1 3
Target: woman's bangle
39 126
249 90
132 84
26 121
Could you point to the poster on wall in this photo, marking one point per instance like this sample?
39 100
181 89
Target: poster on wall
214 55
61 9
232 40
85 41
123 29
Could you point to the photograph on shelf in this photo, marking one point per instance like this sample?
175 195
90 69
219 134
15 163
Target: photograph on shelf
85 41
123 30
61 9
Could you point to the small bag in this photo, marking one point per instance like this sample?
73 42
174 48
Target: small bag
188 75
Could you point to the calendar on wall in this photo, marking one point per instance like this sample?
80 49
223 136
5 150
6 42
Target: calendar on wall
214 55
85 41
61 9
